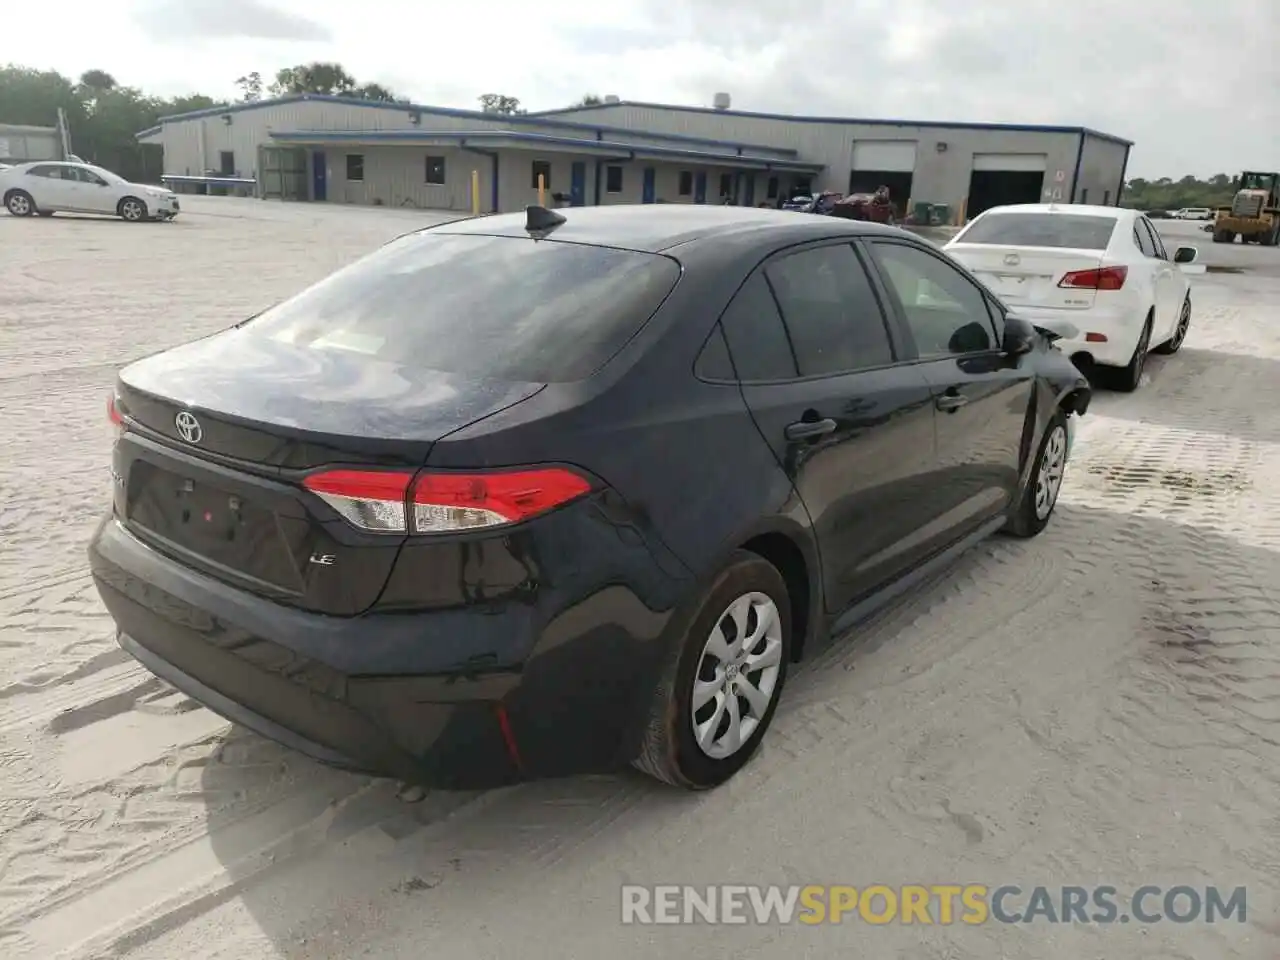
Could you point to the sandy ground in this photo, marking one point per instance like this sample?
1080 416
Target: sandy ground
1100 705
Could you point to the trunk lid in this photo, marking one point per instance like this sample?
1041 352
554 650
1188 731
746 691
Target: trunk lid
1030 276
222 431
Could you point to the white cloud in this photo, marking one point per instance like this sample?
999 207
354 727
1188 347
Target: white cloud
1192 83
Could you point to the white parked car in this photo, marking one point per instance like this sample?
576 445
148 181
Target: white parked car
1193 213
1099 276
47 187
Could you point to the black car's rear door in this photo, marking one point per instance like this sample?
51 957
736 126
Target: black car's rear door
983 397
852 427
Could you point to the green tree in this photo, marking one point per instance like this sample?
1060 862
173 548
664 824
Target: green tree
250 87
1168 194
376 91
500 103
324 78
97 80
589 100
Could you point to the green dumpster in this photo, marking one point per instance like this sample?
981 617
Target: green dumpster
921 212
940 214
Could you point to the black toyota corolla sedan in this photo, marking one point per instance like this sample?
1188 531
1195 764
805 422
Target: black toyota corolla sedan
547 493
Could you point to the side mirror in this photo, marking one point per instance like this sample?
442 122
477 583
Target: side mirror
1185 255
1019 337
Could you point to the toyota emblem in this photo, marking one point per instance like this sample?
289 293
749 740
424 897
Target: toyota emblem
189 428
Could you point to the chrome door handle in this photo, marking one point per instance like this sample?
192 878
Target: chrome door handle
950 402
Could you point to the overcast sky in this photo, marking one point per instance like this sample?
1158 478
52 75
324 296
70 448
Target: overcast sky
1193 82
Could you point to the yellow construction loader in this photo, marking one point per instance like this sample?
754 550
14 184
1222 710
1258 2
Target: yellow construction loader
1254 214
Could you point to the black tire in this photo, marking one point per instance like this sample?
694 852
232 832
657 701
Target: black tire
45 213
1025 519
1223 236
1131 376
669 751
131 209
1174 343
19 203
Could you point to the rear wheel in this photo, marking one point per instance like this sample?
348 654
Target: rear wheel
19 203
45 213
1174 343
1223 236
1131 375
719 690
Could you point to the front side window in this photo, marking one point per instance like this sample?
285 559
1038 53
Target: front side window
831 311
946 313
499 308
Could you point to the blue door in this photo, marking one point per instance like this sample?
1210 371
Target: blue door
749 192
578 184
319 176
650 189
700 187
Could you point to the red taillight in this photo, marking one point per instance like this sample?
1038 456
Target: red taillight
383 501
372 500
1104 278
445 502
114 417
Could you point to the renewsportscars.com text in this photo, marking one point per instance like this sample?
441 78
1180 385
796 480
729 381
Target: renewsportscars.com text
942 904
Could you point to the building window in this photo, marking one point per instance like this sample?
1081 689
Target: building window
771 192
541 168
1084 195
355 167
802 187
435 170
686 183
1106 198
726 184
227 163
613 179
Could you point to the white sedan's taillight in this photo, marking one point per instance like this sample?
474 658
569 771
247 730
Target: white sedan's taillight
391 502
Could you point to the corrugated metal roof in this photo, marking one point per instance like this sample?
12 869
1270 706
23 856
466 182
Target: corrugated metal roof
531 120
609 147
863 121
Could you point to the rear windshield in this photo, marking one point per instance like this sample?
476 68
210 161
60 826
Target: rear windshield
1076 231
507 308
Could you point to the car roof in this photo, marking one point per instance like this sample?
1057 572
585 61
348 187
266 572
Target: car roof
654 228
1088 209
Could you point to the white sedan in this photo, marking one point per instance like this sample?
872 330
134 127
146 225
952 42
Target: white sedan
1099 276
47 187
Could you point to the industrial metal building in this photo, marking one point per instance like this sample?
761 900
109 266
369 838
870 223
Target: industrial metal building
312 147
20 143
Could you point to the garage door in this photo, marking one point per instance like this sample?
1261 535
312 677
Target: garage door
897 156
1011 162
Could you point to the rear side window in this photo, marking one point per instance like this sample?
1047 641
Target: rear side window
1142 238
713 362
1072 231
831 311
757 338
505 308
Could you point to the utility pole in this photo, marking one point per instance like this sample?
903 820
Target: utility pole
64 133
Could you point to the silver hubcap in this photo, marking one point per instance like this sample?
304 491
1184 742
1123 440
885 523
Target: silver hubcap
132 211
1049 477
737 676
19 206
